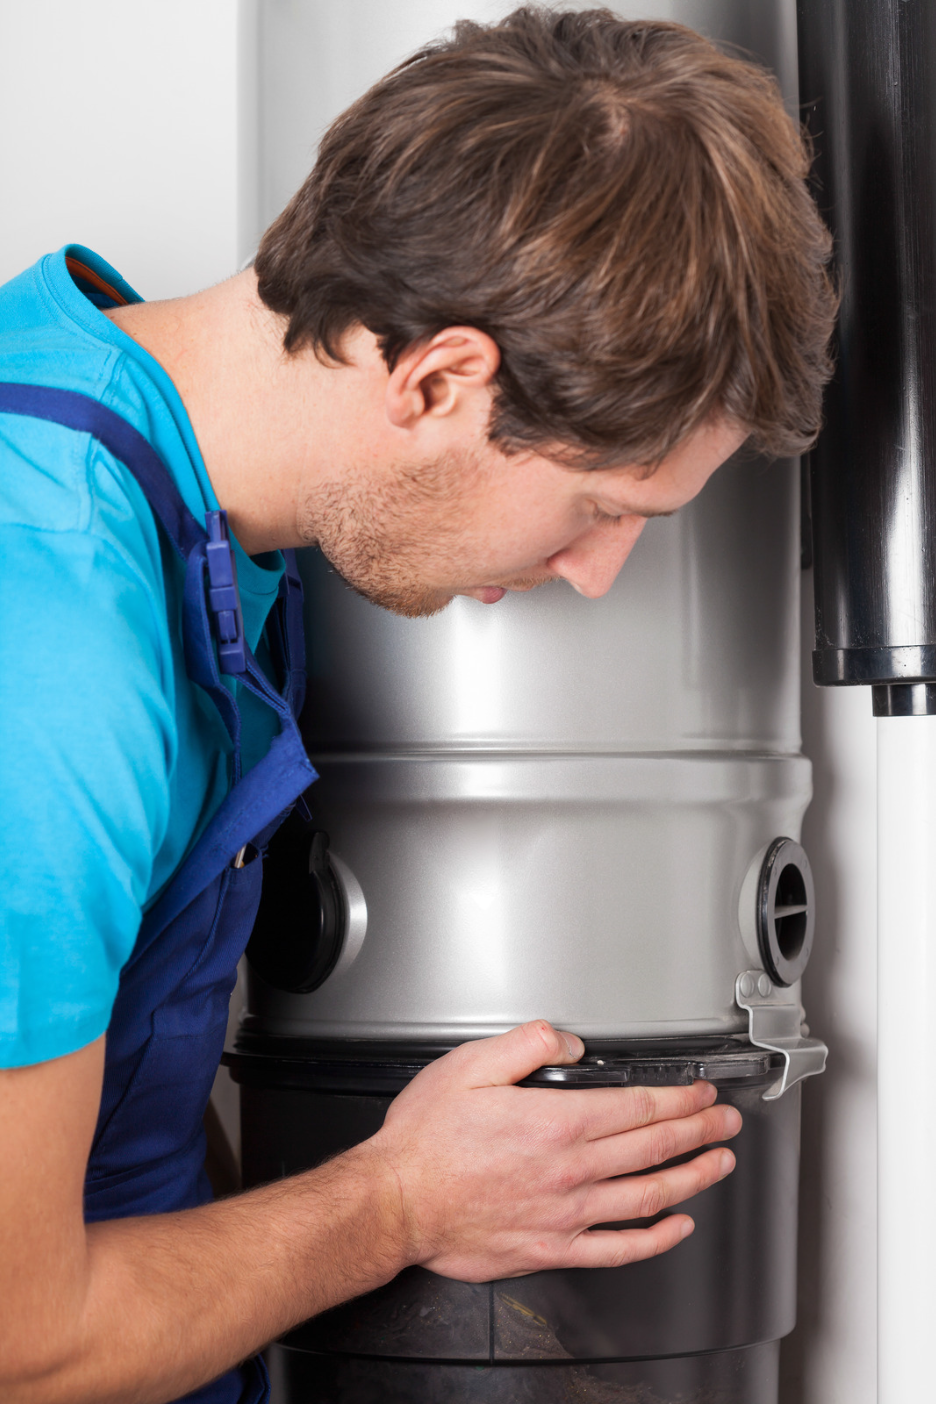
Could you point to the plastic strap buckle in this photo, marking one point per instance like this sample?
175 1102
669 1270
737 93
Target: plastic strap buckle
223 597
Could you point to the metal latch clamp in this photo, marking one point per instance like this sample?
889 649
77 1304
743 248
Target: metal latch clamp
776 1024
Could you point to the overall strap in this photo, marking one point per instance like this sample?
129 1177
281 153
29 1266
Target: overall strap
286 633
263 796
206 587
208 558
190 541
86 415
266 793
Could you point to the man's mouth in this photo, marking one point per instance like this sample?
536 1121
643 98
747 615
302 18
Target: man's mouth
490 594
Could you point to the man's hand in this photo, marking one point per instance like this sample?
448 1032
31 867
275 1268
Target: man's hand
470 1176
497 1180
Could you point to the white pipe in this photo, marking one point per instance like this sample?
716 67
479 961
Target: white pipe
906 1049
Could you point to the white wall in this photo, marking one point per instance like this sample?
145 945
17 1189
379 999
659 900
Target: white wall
831 1357
121 130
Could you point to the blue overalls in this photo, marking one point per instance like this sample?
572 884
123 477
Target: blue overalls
167 1028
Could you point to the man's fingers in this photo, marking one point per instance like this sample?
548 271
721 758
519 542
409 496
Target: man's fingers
616 1247
510 1057
607 1111
645 1196
665 1140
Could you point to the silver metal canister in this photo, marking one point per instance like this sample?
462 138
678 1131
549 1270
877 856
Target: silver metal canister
550 807
585 811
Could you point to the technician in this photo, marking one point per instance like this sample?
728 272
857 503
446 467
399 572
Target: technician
542 281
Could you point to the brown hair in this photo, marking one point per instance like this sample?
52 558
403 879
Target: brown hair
620 205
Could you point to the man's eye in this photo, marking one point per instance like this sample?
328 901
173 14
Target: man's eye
601 516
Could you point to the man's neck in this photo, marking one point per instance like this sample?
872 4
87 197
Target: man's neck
260 416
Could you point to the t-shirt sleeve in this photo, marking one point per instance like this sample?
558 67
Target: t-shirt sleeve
87 737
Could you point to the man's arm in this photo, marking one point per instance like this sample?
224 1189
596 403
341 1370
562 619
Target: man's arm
470 1176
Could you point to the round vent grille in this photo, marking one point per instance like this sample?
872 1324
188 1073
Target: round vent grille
785 911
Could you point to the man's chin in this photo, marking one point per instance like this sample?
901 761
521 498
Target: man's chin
414 601
422 604
422 608
407 604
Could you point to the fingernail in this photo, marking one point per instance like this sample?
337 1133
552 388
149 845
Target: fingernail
726 1164
686 1229
574 1046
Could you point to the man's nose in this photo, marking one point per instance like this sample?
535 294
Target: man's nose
592 562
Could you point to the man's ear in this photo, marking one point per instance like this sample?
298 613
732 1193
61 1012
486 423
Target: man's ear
440 376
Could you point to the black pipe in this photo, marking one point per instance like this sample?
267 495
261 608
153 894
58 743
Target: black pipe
868 94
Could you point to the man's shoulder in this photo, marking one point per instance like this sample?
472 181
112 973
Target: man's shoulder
54 332
58 486
55 479
50 333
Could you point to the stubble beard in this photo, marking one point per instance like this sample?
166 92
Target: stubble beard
380 538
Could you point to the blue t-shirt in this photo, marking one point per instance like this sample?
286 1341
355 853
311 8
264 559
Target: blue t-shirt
111 761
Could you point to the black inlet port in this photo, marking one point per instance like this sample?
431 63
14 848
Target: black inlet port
300 926
785 911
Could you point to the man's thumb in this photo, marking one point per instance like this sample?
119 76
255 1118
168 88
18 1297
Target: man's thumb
510 1057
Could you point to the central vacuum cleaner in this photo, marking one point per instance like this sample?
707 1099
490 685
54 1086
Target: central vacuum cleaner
586 811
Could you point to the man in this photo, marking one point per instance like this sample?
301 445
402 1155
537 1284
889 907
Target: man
542 281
